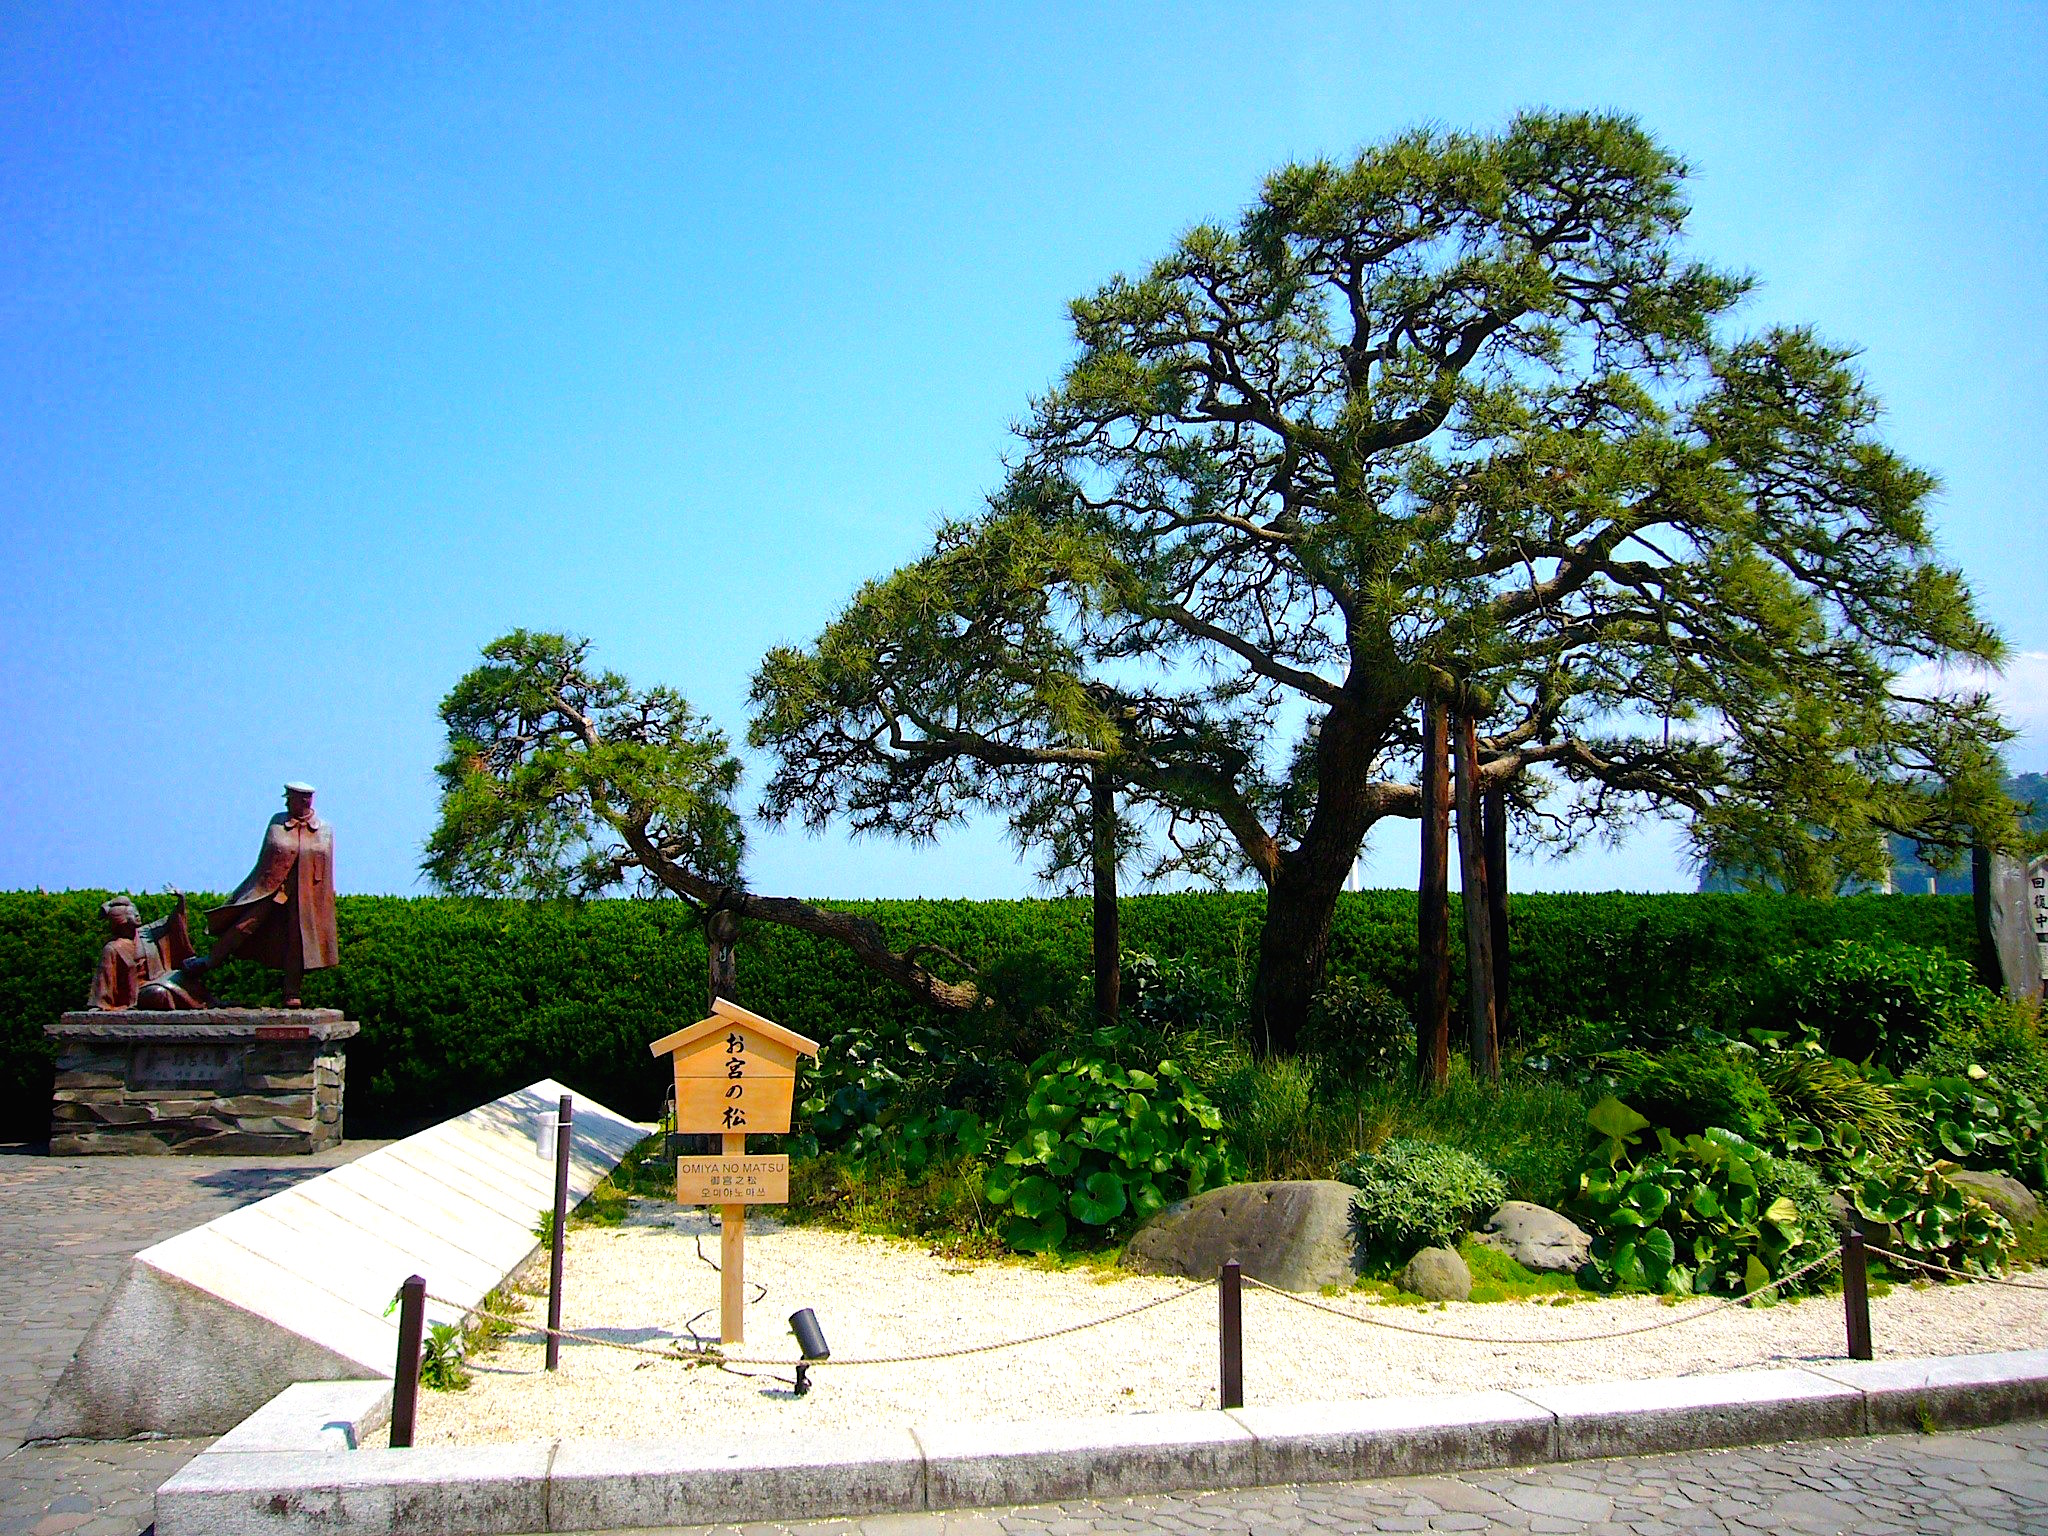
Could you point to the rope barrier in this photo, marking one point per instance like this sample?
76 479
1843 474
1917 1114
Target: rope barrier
1576 1338
1943 1269
714 1356
709 1354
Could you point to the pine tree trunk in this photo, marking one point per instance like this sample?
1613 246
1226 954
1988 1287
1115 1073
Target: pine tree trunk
721 931
1495 817
1485 1039
1301 893
1433 907
1108 939
1294 947
1989 971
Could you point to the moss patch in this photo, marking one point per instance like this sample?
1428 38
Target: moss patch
1496 1276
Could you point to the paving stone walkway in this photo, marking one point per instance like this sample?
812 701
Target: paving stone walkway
1992 1480
67 1224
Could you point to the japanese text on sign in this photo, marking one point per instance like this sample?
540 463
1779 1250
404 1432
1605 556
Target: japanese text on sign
735 1070
732 1180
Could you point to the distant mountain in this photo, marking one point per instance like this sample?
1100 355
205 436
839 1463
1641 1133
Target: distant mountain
1909 874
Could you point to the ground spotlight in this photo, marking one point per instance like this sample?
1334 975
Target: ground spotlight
810 1342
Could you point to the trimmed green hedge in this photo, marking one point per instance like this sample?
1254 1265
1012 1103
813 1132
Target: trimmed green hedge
461 1000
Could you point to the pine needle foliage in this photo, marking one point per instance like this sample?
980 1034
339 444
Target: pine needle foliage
1461 418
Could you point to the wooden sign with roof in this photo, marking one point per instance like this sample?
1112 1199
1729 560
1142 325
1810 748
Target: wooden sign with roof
735 1072
735 1076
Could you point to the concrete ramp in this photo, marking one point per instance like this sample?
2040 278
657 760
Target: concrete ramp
209 1325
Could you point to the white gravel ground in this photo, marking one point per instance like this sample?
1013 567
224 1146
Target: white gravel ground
644 1283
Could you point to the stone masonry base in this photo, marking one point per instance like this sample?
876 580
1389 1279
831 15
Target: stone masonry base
220 1080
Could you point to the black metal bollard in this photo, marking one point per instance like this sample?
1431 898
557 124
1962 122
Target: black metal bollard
561 1231
1856 1292
1230 1332
405 1377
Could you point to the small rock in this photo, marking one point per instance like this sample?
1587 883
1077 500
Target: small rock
1292 1233
1537 1238
1437 1274
2005 1195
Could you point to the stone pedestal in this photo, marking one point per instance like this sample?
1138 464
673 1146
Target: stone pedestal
231 1080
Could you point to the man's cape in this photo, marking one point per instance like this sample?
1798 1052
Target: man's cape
293 877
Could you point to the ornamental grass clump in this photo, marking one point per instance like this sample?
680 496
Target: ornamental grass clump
1825 1102
1420 1194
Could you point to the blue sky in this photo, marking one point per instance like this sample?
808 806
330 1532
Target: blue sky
336 341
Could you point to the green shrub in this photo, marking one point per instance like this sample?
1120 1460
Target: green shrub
1871 1000
1692 1087
1981 1122
1178 997
1420 1194
1358 1032
1106 1146
2004 1038
1790 1179
462 999
1659 964
1710 1212
1935 1218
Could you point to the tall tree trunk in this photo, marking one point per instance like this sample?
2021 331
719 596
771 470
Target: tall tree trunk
1485 1038
1302 890
1294 948
1102 851
1495 816
1989 971
721 931
1433 907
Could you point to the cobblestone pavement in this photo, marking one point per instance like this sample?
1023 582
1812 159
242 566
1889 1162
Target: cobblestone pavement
66 1226
1992 1480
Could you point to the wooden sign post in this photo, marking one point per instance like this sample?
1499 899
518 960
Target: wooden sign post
735 1077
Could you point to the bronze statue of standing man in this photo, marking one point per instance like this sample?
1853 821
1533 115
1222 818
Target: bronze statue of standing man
282 916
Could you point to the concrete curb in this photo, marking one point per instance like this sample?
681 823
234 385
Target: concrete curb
303 1463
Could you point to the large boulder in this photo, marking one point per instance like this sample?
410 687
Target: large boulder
1293 1233
1537 1238
2005 1195
1437 1274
